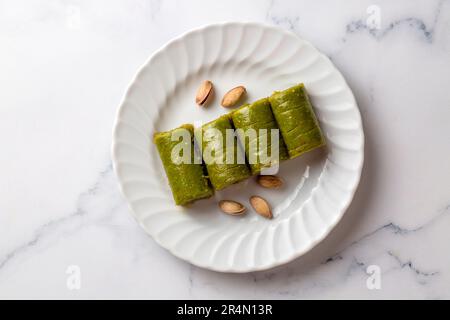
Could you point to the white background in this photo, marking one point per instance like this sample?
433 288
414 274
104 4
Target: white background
64 67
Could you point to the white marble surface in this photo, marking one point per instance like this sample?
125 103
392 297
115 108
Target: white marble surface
64 66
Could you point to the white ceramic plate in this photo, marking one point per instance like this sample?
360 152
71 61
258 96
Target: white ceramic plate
318 186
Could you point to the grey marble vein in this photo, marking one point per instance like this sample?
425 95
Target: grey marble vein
392 228
53 225
424 275
427 32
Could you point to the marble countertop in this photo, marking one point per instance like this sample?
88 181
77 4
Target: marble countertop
65 230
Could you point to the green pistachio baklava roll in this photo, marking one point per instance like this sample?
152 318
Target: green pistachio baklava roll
183 165
224 159
296 119
254 124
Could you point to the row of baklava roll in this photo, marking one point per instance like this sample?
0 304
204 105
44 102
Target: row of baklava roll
290 111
